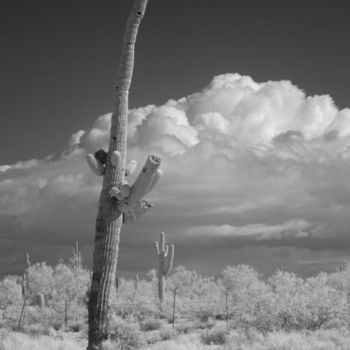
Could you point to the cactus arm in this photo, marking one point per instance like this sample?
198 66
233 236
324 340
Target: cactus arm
166 250
95 165
157 246
155 179
129 217
28 260
130 167
125 189
170 261
116 158
139 188
162 242
135 212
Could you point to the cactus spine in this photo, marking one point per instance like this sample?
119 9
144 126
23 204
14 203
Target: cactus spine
165 263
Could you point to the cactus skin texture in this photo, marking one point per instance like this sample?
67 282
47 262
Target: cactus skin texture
165 263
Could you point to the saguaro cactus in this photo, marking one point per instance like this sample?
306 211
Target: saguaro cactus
76 259
117 200
165 263
25 278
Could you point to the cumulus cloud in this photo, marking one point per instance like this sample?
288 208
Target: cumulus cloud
241 159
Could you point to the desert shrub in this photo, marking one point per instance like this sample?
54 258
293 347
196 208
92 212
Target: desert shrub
10 292
196 296
286 302
249 299
243 296
210 323
59 283
40 279
318 340
183 342
11 316
69 283
36 329
43 316
307 304
78 326
140 303
152 337
167 334
110 345
204 295
214 336
126 335
184 327
151 324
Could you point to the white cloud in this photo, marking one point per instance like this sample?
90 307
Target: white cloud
288 229
239 157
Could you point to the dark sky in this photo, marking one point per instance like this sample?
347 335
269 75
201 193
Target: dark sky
58 61
58 58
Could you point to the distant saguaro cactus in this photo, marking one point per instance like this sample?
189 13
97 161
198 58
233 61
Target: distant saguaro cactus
165 263
25 279
76 259
136 282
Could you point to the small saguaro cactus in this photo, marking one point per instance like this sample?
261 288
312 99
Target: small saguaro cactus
136 282
165 263
76 259
25 278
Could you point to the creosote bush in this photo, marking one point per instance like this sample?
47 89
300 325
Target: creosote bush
126 334
151 324
214 336
239 299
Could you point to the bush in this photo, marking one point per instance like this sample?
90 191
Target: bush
44 316
214 336
35 329
307 304
184 327
153 337
126 335
167 334
78 326
205 325
151 324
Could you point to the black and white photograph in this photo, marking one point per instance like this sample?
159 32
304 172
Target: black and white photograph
174 175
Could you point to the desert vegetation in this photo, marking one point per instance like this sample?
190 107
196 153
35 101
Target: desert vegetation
67 306
46 308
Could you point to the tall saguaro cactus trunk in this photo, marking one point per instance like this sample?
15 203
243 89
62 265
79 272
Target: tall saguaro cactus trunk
165 263
109 218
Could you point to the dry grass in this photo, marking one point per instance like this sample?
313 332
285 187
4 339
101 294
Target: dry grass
237 340
20 341
319 340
